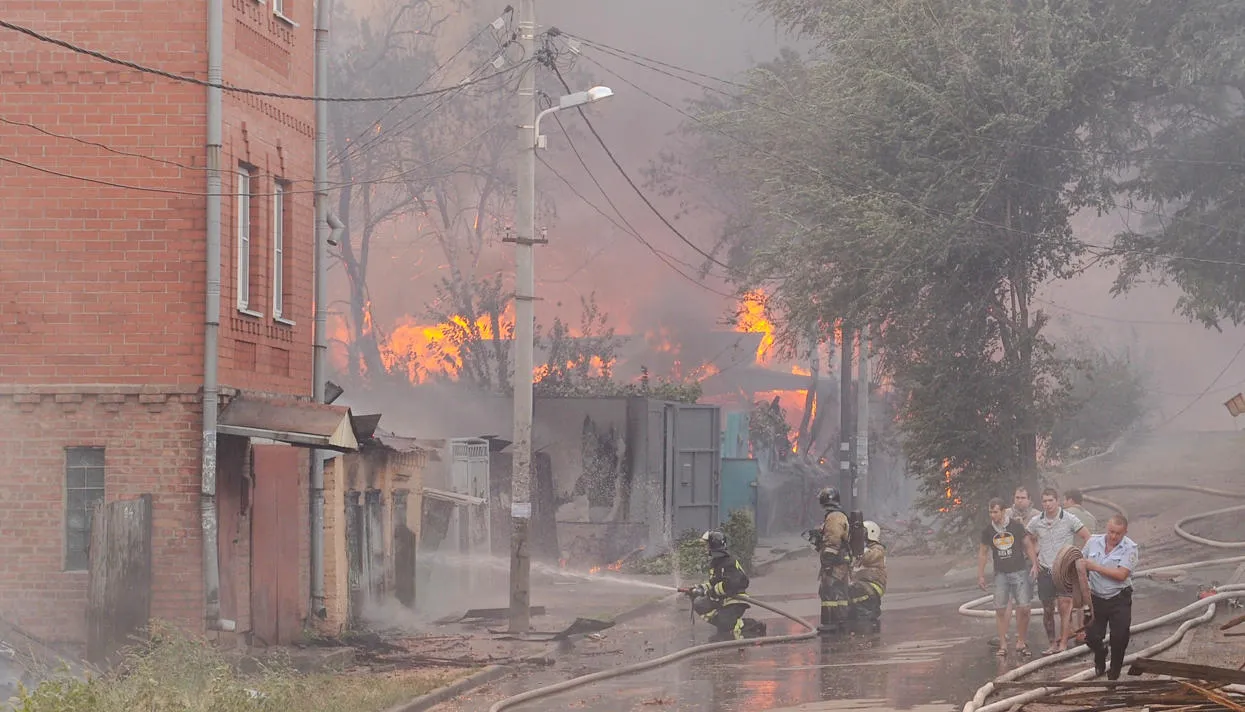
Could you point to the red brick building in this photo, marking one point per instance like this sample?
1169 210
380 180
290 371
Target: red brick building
103 185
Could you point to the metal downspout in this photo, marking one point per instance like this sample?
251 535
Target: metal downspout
320 340
211 327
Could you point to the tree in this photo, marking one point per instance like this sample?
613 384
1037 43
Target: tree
419 171
918 173
1189 151
1105 395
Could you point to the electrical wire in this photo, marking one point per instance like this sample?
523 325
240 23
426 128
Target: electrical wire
237 89
1207 389
666 259
626 176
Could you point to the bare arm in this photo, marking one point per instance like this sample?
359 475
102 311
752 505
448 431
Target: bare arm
1083 535
1031 546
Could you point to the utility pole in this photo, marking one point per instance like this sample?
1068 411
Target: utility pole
862 423
846 481
524 330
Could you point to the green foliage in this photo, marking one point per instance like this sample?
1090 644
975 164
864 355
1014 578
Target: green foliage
768 429
1103 396
1187 147
741 537
924 182
689 557
175 672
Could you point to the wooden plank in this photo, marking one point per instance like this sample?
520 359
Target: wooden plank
265 557
1215 696
1187 670
119 578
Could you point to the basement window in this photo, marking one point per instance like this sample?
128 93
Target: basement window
84 488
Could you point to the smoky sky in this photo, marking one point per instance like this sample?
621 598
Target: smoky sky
724 38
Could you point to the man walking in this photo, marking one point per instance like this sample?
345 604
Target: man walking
1110 560
1072 503
1005 539
1049 532
1022 507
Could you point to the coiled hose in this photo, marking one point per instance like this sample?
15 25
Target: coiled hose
978 703
571 684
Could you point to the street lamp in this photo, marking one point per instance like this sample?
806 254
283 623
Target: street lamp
525 322
569 101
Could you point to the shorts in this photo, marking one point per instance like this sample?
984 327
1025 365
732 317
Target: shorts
1015 587
1047 591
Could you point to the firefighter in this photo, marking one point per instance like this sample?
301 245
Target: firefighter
722 600
869 578
836 561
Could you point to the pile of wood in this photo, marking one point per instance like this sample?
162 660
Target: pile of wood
1183 687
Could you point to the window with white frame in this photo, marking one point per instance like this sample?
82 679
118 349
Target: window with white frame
279 7
278 250
243 198
84 488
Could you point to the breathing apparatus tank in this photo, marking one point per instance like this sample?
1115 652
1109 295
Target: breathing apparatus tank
856 538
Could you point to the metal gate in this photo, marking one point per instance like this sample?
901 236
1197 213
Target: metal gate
694 466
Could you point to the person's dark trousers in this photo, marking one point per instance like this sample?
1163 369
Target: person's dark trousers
1116 612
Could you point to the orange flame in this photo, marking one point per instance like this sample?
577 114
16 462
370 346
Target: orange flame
754 319
425 351
616 566
952 500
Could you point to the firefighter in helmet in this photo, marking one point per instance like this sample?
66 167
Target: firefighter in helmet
836 561
869 578
722 600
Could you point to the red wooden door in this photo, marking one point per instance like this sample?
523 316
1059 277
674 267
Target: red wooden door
276 526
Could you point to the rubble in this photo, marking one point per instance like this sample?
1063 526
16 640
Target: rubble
1178 687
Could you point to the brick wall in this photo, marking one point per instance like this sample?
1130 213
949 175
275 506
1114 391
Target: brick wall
275 140
151 446
105 283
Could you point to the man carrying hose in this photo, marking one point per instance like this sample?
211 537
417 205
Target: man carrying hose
721 601
1049 532
1110 560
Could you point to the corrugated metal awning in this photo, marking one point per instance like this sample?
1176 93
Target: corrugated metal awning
300 423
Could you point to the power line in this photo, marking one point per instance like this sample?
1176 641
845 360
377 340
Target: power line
230 87
632 183
665 258
1206 390
1104 317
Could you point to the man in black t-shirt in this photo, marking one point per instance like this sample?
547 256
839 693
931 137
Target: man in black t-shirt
1004 539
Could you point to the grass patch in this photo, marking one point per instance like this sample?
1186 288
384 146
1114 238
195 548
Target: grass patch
180 673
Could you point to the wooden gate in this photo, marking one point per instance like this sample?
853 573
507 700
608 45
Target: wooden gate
276 527
119 584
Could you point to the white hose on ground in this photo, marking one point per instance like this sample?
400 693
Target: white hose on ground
970 609
571 684
977 704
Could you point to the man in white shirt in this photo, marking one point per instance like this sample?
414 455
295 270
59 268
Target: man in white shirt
1110 560
1049 532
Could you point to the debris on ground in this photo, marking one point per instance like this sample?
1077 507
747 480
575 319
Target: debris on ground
1182 687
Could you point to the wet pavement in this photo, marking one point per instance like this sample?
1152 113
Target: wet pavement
926 657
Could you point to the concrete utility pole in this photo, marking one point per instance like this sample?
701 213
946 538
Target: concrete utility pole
862 422
847 482
524 330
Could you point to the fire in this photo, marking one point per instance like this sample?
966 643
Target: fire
425 351
952 500
754 319
798 370
661 341
616 566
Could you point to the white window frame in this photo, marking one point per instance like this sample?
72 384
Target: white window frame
244 240
278 9
278 250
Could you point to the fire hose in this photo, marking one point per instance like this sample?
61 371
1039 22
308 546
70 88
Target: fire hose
556 688
978 703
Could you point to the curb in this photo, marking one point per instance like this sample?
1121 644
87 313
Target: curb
442 694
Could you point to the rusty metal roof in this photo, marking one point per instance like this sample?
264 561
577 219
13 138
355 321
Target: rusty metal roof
295 422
